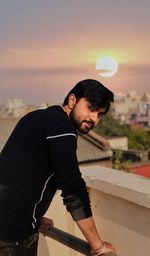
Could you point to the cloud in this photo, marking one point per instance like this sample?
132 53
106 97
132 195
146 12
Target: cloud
47 71
135 69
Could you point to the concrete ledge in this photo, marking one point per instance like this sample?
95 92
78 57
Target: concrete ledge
124 185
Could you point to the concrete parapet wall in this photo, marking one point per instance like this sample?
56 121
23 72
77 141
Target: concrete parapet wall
121 208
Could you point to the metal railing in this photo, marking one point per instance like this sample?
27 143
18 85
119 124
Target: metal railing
71 241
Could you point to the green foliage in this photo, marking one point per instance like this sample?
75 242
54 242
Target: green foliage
108 126
139 140
119 165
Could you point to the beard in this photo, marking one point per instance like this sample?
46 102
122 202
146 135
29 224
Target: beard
83 126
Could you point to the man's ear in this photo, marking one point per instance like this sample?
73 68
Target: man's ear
72 101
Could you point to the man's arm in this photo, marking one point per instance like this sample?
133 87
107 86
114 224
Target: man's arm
63 159
88 228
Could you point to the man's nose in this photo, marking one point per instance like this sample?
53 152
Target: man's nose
95 117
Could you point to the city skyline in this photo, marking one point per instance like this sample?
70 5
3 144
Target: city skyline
47 47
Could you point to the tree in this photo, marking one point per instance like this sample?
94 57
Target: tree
119 164
139 140
109 126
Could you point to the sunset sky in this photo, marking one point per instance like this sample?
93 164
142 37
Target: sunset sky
47 46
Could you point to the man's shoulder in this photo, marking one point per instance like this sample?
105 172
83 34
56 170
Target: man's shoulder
55 109
57 112
58 120
52 111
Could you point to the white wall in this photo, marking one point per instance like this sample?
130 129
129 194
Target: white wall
119 143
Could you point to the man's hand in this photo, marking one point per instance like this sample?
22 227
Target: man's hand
104 249
98 247
45 224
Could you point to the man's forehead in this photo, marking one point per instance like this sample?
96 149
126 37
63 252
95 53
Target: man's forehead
101 110
93 105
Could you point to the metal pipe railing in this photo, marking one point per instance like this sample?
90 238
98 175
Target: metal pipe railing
71 241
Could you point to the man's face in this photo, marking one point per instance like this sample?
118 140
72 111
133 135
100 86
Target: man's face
84 117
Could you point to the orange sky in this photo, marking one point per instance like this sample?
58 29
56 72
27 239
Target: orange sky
47 47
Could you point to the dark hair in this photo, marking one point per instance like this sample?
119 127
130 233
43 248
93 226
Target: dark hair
94 92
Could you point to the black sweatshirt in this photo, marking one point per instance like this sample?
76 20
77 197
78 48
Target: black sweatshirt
39 158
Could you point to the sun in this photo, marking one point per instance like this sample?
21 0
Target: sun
107 66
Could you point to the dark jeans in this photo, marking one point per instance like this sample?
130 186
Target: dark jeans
27 247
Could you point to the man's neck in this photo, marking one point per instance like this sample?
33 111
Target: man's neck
66 109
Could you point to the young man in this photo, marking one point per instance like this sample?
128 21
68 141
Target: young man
39 158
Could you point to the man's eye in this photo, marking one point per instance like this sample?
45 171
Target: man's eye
100 115
90 107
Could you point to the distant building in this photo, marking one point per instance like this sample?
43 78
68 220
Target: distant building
133 110
118 143
142 169
16 108
93 148
13 108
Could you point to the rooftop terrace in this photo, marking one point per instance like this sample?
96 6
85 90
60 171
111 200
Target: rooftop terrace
121 208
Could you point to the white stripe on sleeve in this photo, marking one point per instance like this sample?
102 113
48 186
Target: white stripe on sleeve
41 197
61 135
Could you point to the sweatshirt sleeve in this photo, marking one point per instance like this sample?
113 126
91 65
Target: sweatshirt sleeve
62 153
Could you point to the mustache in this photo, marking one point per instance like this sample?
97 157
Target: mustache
91 123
